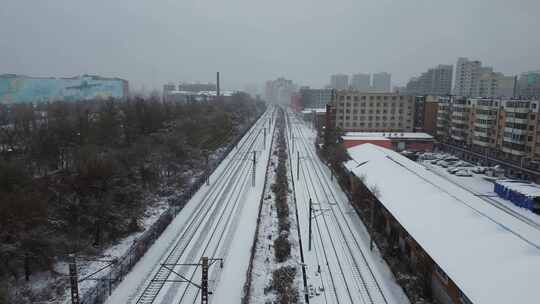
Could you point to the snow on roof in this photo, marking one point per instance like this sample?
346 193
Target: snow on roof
527 189
368 138
490 255
311 110
390 135
200 93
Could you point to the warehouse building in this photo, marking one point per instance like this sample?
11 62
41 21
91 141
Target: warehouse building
463 249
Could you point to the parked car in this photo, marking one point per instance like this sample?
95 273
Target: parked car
453 170
463 172
478 170
447 163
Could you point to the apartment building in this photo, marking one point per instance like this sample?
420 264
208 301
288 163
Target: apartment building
466 78
474 80
425 114
502 128
435 81
376 112
528 84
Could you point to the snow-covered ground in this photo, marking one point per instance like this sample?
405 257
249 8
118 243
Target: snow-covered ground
264 262
218 222
349 271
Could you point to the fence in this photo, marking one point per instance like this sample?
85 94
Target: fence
99 293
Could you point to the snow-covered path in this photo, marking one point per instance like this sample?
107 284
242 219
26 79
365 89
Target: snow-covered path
349 271
218 222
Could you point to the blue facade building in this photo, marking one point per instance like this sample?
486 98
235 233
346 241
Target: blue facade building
23 89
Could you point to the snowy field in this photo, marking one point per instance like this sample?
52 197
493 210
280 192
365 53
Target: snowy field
340 266
218 222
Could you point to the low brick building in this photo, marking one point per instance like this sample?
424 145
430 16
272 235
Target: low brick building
411 141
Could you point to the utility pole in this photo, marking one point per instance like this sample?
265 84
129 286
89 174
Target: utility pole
310 217
297 165
372 219
204 281
264 141
254 163
217 86
207 169
73 280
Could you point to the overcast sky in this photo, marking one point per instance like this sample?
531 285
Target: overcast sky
150 42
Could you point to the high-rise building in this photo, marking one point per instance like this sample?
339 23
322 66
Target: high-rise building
361 82
279 90
315 98
436 81
339 81
376 112
528 84
492 84
382 82
473 80
467 74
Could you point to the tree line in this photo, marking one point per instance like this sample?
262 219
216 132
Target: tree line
77 176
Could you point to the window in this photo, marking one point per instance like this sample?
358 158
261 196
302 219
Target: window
341 98
355 98
348 97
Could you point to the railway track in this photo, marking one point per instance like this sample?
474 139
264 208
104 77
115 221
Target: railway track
344 244
210 219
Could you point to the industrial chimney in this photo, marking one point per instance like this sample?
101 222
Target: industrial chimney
217 85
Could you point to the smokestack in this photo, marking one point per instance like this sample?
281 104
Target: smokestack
217 84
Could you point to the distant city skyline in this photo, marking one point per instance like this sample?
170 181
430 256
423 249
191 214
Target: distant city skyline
251 42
